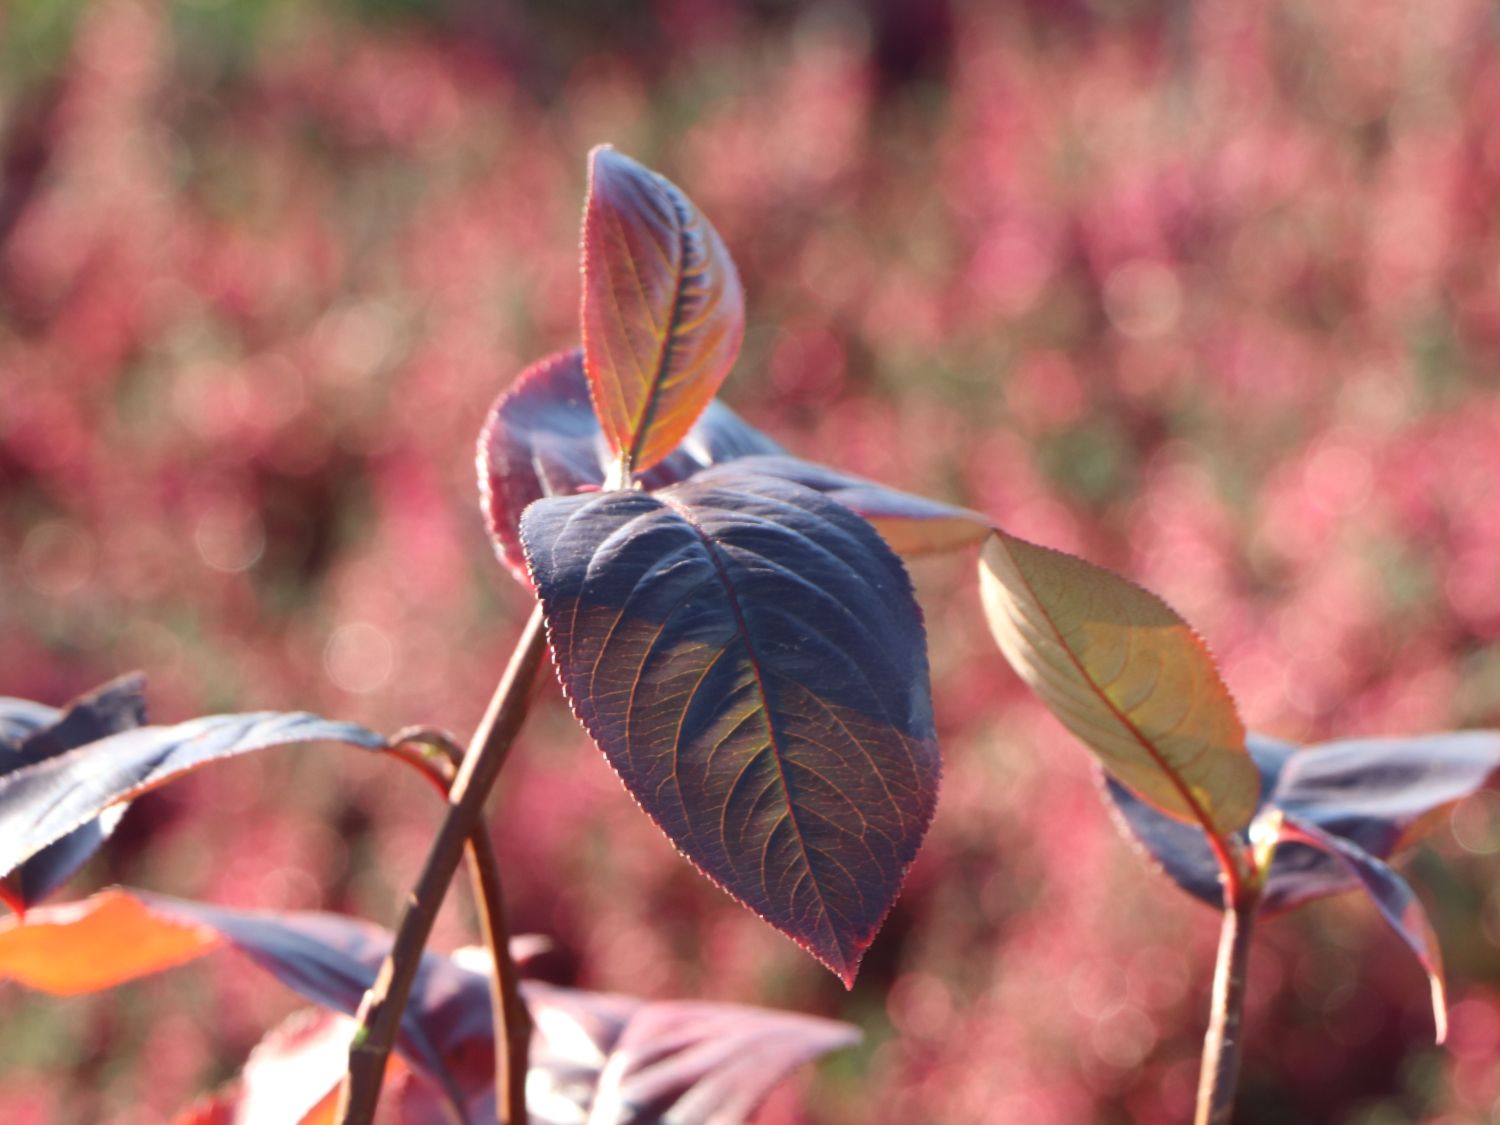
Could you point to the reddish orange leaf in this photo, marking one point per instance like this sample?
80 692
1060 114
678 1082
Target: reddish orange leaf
1127 675
663 311
103 941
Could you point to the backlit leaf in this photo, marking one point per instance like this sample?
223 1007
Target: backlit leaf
542 438
749 656
1181 850
663 311
32 733
1397 903
1127 676
44 801
1379 793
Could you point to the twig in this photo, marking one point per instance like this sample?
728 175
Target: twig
511 1019
380 1013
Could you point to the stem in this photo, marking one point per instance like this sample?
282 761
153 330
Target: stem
508 1013
1221 1046
380 1014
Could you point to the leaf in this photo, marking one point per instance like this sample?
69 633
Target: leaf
44 801
1127 676
1378 793
663 311
542 438
1381 793
29 733
694 1064
911 525
1394 898
749 656
623 1060
1180 851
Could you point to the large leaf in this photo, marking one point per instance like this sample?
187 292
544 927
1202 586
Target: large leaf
29 733
43 801
542 438
1126 674
749 656
1397 903
663 311
597 1058
1378 793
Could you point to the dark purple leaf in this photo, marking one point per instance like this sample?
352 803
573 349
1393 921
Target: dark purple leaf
1397 903
542 438
749 656
44 801
596 1057
20 718
911 524
1378 793
1181 850
117 706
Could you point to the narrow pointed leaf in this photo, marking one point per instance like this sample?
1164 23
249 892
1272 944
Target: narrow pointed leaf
1396 901
1381 793
1179 850
1127 676
44 801
663 311
37 733
749 656
542 438
911 525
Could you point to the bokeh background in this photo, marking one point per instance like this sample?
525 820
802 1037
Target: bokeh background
1208 292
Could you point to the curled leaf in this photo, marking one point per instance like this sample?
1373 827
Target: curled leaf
663 311
1396 901
748 655
1127 676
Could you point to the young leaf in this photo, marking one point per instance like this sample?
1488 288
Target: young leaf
749 656
30 732
1377 793
663 311
44 801
542 438
1181 850
1397 903
1127 676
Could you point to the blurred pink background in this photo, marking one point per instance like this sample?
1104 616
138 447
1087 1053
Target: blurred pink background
1207 292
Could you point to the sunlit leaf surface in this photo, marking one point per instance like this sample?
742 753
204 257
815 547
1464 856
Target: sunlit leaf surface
663 311
44 801
1127 676
748 655
542 438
